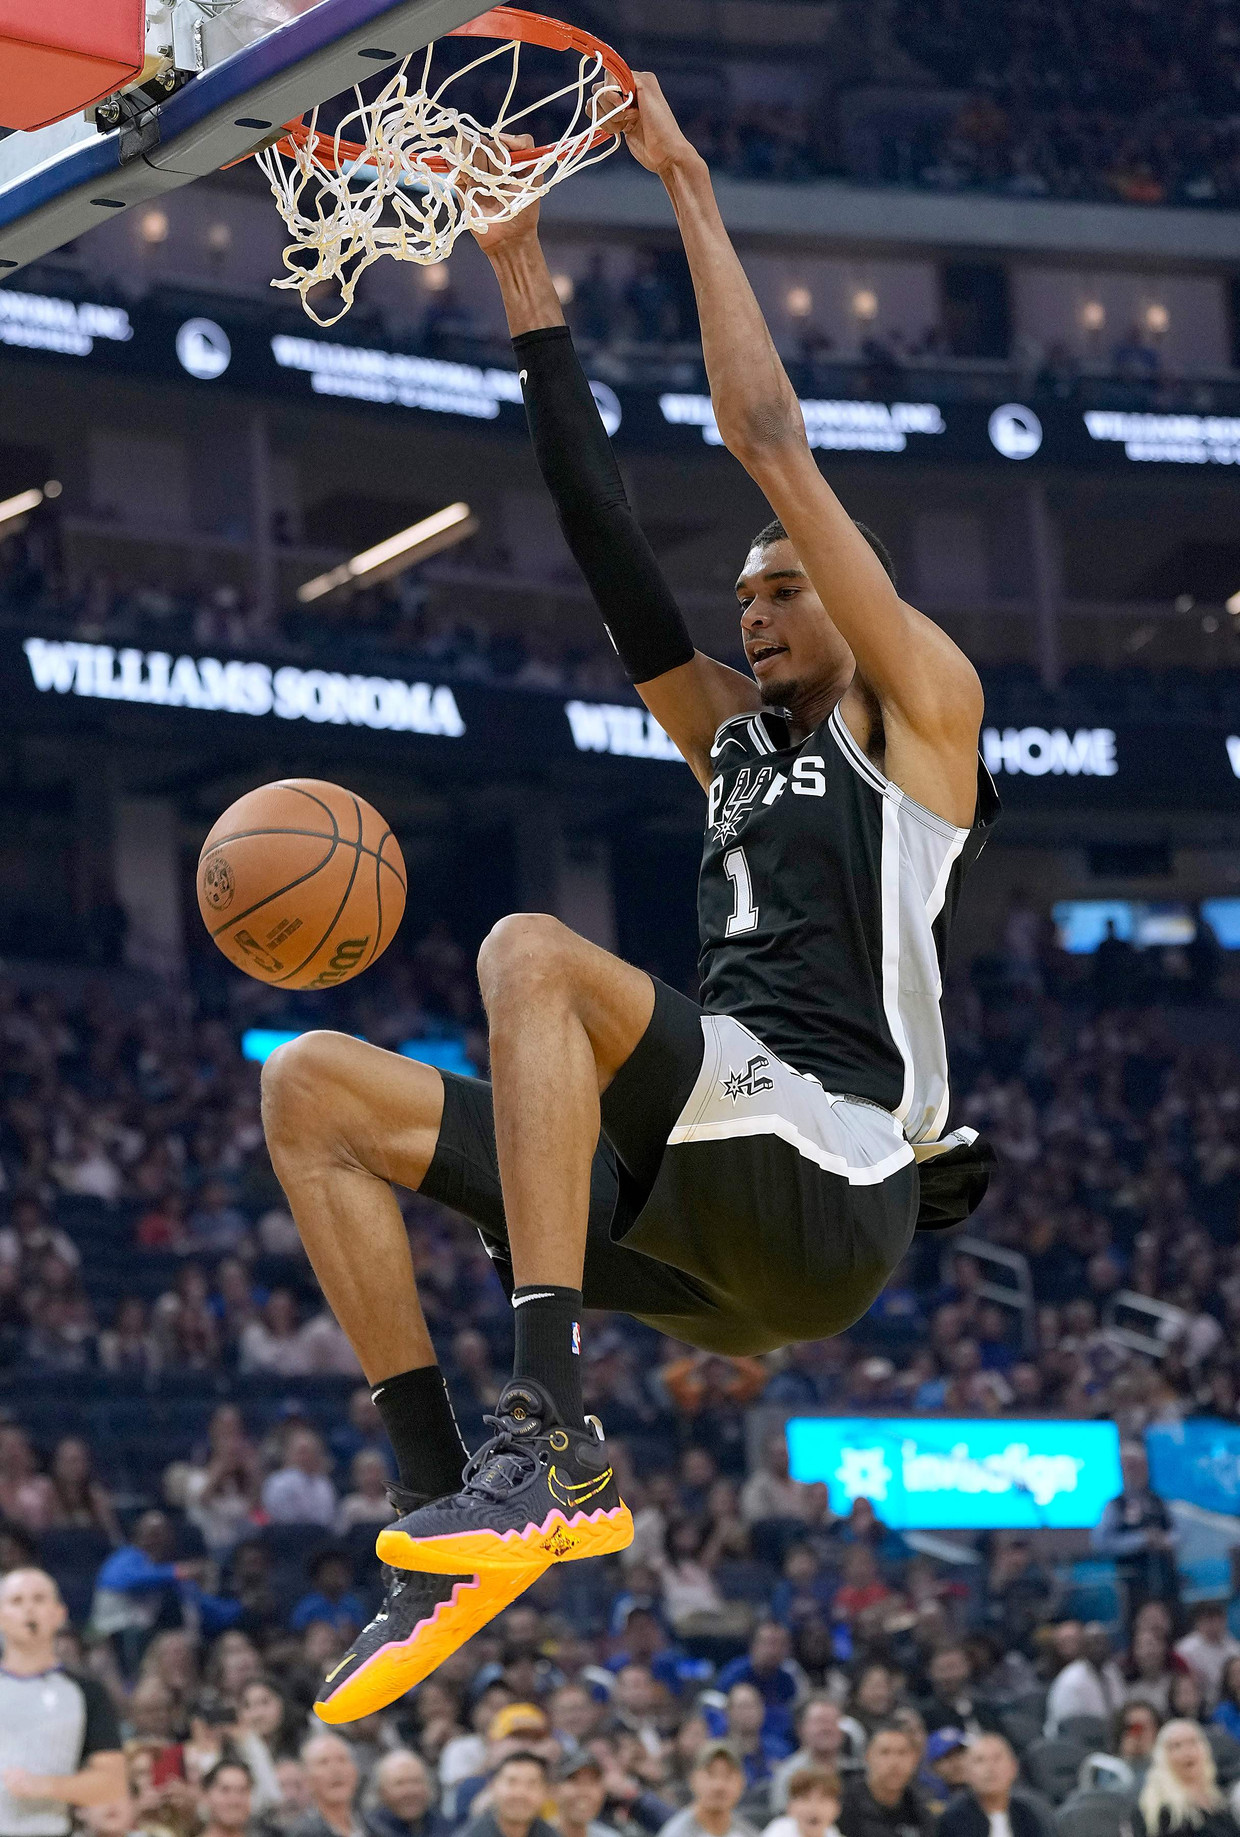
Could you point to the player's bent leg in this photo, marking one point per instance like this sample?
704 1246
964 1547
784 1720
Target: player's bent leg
564 1017
344 1120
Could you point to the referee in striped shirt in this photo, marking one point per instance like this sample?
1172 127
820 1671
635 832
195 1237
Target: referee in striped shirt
60 1747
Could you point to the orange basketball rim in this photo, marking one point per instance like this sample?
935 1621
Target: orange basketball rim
511 25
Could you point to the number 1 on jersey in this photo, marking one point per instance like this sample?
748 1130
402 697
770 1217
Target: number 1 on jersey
744 912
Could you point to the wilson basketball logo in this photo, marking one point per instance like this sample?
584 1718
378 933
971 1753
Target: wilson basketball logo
349 953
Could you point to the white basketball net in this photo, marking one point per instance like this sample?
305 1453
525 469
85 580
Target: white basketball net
343 213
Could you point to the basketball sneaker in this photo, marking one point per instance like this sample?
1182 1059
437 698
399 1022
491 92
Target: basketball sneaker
538 1491
423 1620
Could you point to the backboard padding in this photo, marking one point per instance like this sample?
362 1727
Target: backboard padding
211 121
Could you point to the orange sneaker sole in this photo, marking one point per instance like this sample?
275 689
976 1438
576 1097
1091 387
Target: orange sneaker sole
556 1540
396 1668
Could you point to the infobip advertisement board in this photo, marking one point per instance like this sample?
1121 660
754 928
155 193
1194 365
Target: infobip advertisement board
953 1474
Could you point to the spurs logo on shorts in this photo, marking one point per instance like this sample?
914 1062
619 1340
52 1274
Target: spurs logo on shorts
749 1082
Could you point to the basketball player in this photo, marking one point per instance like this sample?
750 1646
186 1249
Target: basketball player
738 1173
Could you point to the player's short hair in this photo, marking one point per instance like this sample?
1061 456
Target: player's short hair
813 1779
774 531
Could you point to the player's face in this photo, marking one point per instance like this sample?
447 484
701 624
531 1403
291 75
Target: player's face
789 640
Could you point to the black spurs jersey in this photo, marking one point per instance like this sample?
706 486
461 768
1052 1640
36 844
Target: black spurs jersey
824 904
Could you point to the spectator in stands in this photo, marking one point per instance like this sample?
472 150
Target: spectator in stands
363 1432
186 1330
1209 1647
25 1493
770 1492
953 1703
988 1808
1136 1530
221 1493
821 1745
1138 1731
1020 1593
758 1744
78 1500
404 1799
273 1341
1091 1685
29 1236
263 1712
172 1657
872 1699
1186 1696
943 1774
885 1802
1181 1792
768 1666
716 1786
863 1587
518 1791
814 1798
332 1596
331 1779
227 1799
151 1711
128 1345
580 1796
140 1590
216 1223
1148 1670
368 1503
163 1226
300 1491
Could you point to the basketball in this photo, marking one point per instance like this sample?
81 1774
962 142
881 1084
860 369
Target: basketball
301 884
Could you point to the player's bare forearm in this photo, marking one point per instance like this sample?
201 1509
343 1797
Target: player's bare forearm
915 670
525 283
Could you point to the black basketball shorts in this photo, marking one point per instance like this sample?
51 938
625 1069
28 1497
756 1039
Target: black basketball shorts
734 1203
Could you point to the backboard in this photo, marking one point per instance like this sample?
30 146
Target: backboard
243 67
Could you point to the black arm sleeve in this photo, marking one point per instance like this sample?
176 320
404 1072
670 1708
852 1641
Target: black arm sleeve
574 455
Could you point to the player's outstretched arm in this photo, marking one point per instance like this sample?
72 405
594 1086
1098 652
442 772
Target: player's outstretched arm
929 691
688 693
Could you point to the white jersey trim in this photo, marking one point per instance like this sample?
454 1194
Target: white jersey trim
865 768
731 1127
890 903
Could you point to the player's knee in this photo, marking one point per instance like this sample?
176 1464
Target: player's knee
297 1081
526 950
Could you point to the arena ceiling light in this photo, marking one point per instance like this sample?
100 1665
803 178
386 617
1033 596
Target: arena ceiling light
440 531
20 506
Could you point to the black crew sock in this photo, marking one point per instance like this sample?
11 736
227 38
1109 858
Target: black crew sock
548 1332
418 1416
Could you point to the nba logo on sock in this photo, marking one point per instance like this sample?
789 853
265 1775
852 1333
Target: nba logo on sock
577 1337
